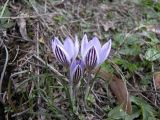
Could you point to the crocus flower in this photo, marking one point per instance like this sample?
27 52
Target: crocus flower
93 54
76 71
66 52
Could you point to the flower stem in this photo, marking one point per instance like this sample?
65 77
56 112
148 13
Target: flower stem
72 98
88 87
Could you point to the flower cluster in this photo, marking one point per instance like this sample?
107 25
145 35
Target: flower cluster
92 54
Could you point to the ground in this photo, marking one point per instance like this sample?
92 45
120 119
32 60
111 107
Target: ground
34 85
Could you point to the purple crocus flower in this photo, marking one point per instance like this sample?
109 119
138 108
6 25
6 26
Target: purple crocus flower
76 71
93 54
66 52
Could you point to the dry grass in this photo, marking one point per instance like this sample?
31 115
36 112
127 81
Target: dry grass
35 84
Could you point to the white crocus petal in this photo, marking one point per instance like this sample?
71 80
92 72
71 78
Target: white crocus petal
53 45
95 42
76 47
84 44
105 50
89 46
69 46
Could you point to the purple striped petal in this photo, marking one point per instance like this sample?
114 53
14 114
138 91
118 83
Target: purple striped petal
55 42
92 43
77 75
105 50
91 58
67 52
61 55
76 71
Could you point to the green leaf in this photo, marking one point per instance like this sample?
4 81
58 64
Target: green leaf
59 19
133 116
152 54
119 38
147 111
91 98
130 50
108 67
133 40
126 64
116 113
151 36
5 22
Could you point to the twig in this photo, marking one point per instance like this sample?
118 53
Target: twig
3 9
39 101
50 67
143 96
142 91
21 39
4 68
17 73
28 16
20 113
17 51
154 85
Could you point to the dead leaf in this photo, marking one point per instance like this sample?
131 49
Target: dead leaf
118 88
41 40
156 78
108 25
154 28
22 27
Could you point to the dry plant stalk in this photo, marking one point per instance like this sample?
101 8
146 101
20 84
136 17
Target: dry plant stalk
156 79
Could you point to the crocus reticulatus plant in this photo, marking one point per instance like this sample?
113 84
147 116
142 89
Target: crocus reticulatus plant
92 54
